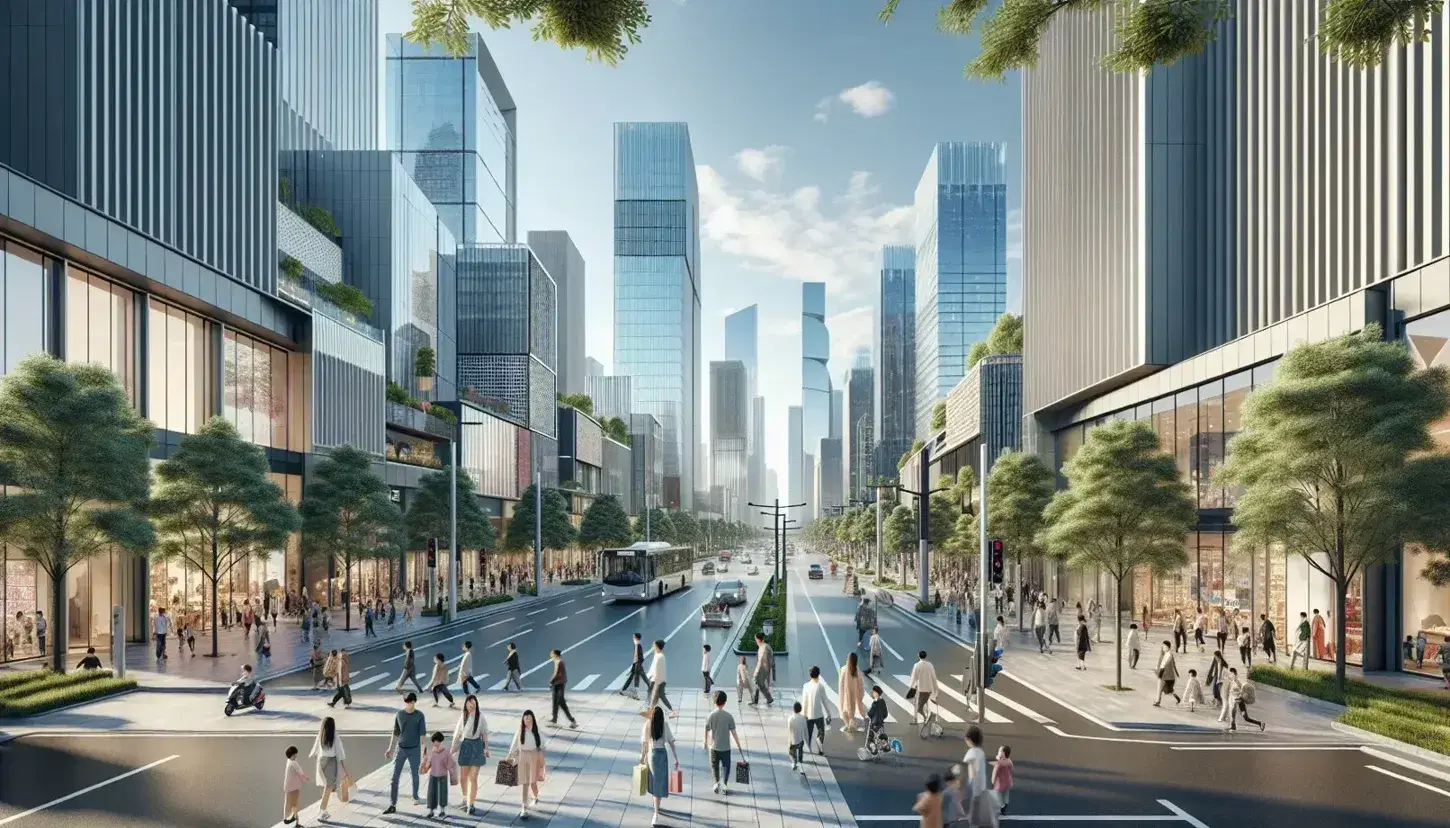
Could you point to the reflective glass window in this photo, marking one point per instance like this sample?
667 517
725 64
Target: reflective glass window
180 369
100 326
24 303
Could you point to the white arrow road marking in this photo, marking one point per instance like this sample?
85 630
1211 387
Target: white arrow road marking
557 620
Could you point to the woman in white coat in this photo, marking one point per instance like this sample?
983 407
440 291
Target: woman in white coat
331 763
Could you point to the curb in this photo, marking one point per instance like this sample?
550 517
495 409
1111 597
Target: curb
1319 705
6 737
1385 741
735 644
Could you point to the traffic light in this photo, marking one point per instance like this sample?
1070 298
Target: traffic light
432 553
998 561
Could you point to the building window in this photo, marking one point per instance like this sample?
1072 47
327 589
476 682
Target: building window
24 303
1426 607
179 368
101 326
255 389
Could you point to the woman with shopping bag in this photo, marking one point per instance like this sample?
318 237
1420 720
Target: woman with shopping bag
331 765
470 743
527 752
656 745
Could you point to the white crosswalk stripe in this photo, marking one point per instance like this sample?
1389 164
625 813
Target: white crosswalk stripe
946 715
897 699
358 685
587 682
992 715
1020 708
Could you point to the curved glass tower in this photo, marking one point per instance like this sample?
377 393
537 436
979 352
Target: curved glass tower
815 379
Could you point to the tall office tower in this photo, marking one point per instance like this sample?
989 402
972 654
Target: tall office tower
860 390
961 263
557 253
795 459
730 434
810 485
742 341
454 121
772 487
838 411
646 442
657 289
815 379
611 396
327 70
507 311
593 367
831 463
893 333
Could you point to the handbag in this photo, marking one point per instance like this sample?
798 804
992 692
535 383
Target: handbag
911 692
344 787
677 781
742 772
507 773
453 773
641 779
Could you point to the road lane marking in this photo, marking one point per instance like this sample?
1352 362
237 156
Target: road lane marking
586 609
835 659
946 715
536 612
581 643
587 682
1417 783
524 631
1268 747
358 685
1404 763
1020 708
891 650
567 603
1181 814
557 620
84 791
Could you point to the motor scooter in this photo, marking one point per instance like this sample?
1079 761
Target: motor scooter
236 697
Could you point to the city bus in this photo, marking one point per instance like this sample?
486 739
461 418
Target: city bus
646 571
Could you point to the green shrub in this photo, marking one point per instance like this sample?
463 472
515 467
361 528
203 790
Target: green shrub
347 297
425 362
575 582
8 680
773 608
473 603
530 589
1426 735
398 394
291 267
284 190
442 413
39 681
100 684
321 220
927 606
1417 717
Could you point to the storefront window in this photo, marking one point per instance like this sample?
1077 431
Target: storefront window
1426 607
22 599
24 303
1208 452
180 369
1235 393
1186 439
255 389
1162 420
101 325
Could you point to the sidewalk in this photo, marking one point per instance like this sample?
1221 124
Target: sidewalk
289 652
1086 691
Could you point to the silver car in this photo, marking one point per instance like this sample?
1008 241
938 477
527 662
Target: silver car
730 592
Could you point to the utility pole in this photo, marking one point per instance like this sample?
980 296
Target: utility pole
780 524
538 528
879 486
984 645
923 525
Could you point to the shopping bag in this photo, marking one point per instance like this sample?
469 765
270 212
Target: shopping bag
742 772
507 773
453 773
677 782
641 779
344 787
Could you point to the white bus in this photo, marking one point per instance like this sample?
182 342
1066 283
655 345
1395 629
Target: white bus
646 571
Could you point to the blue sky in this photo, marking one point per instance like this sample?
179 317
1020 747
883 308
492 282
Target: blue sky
811 123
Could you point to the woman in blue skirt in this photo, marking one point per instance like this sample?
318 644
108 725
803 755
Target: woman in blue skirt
657 744
470 744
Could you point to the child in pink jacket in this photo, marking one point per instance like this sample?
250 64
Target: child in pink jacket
1002 776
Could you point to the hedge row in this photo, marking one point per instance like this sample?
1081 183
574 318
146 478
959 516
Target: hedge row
35 681
773 608
37 691
473 603
1417 717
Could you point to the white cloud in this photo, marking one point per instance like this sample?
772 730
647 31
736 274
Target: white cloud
823 109
868 100
850 332
760 164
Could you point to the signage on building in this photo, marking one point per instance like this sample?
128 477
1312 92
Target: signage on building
395 494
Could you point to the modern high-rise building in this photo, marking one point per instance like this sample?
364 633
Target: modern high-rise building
1186 227
455 123
795 468
611 396
859 449
961 263
657 289
893 333
730 434
593 367
557 253
646 441
831 496
742 342
816 400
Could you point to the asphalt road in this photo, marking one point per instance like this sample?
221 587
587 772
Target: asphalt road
1253 780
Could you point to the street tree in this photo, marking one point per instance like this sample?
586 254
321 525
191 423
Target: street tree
604 29
348 517
1019 488
558 532
1160 32
429 515
899 534
1333 461
76 456
687 529
657 528
605 525
1125 507
215 508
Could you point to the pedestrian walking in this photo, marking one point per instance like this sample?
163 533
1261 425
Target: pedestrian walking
1054 629
796 732
719 730
1039 626
657 675
742 680
1443 657
470 743
1135 645
999 635
953 796
1095 613
635 676
160 627
511 663
1084 643
865 620
1180 632
557 683
342 678
264 642
1200 623
1246 647
656 747
1421 644
306 626
850 694
1301 646
921 686
465 670
929 803
440 768
764 671
331 770
1002 777
438 682
409 669
1217 675
292 778
817 710
1222 633
318 662
1266 638
528 751
405 747
1240 695
1167 673
1192 692
875 653
368 622
983 808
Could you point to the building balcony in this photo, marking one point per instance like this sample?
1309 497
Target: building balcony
301 292
420 423
412 452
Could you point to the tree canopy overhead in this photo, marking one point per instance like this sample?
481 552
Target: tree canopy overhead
558 532
605 524
604 29
429 515
1160 32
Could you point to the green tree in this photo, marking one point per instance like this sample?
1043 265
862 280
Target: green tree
348 517
1159 32
916 445
429 515
215 507
617 429
900 533
605 524
686 529
1125 507
558 532
582 402
1005 338
1019 488
939 416
76 454
1332 461
660 527
604 29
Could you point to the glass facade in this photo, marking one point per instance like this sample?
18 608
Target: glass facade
961 263
488 451
894 335
100 326
656 288
180 367
815 378
1426 606
255 391
455 137
507 312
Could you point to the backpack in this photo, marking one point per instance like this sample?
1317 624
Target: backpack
1247 693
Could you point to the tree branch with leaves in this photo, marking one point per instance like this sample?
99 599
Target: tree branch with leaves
348 516
604 29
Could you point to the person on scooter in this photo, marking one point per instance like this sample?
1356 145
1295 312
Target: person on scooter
247 684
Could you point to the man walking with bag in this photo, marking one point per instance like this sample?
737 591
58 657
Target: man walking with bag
636 670
719 730
557 683
865 620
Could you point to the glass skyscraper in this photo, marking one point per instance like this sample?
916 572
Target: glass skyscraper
657 289
961 263
894 335
453 120
742 342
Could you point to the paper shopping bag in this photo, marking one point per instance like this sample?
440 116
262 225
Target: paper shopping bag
641 780
677 782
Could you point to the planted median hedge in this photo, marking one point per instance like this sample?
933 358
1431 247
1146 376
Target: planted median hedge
32 692
1417 717
771 607
473 603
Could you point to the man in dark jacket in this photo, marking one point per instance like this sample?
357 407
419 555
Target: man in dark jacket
557 683
865 620
1266 637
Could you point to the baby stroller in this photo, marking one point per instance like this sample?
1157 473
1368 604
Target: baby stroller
877 747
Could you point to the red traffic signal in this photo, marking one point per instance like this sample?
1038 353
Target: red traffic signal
432 553
998 562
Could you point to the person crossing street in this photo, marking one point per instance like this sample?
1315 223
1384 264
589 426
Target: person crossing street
409 668
557 682
635 675
865 621
657 676
764 670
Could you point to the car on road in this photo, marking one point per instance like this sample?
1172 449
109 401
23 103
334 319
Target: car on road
723 566
707 568
753 570
815 573
730 592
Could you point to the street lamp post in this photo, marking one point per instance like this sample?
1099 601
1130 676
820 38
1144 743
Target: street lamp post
779 526
923 525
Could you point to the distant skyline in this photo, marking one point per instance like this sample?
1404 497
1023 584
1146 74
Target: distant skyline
810 134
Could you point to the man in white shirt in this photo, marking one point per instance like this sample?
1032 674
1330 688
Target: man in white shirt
657 680
160 626
923 681
978 777
999 635
817 709
465 669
